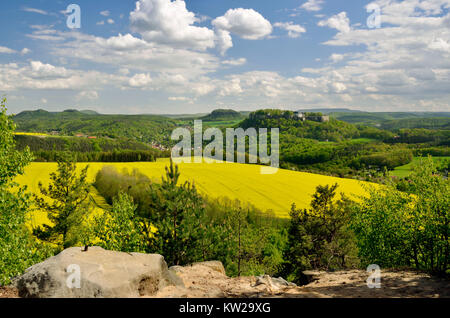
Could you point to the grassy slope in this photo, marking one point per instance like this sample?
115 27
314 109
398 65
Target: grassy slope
405 170
236 181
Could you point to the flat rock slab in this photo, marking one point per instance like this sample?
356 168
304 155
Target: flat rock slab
96 273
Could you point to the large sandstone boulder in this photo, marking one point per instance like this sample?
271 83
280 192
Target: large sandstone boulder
102 273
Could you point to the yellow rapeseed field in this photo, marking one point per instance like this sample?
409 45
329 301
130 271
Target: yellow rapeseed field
30 134
274 192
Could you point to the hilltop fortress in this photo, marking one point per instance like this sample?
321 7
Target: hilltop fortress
301 116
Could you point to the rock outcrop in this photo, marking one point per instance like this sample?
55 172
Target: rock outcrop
96 273
104 273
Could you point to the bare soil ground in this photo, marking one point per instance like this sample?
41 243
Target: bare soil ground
201 281
8 292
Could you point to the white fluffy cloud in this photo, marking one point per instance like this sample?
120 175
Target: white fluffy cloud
440 45
336 57
181 99
235 62
140 80
339 22
25 51
232 87
130 52
34 10
312 5
42 76
122 42
294 30
41 70
246 23
89 95
223 40
169 22
6 50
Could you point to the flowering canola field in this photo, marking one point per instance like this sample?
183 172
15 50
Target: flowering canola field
274 192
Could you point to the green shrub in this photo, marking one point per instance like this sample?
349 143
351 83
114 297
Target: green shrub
320 238
409 227
18 249
119 229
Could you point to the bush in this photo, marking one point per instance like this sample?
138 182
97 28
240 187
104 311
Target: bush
18 249
118 229
319 238
407 228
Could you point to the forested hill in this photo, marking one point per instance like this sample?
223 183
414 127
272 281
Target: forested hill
146 128
223 114
312 128
394 120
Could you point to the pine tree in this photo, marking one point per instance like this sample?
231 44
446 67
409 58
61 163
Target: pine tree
66 202
178 214
320 237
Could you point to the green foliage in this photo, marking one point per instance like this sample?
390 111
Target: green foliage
110 182
218 225
289 124
245 240
77 144
437 123
18 249
319 238
223 115
66 202
178 214
48 149
390 160
334 148
118 229
144 128
12 161
113 156
407 227
422 135
391 120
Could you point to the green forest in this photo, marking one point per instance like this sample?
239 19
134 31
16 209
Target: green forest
351 144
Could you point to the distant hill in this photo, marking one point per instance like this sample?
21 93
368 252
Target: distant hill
223 114
290 124
381 119
89 112
145 128
436 123
328 110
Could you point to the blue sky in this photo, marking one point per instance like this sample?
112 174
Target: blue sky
163 56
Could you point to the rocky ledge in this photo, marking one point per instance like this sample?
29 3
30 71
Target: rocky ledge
98 273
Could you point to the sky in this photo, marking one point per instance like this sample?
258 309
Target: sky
194 56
